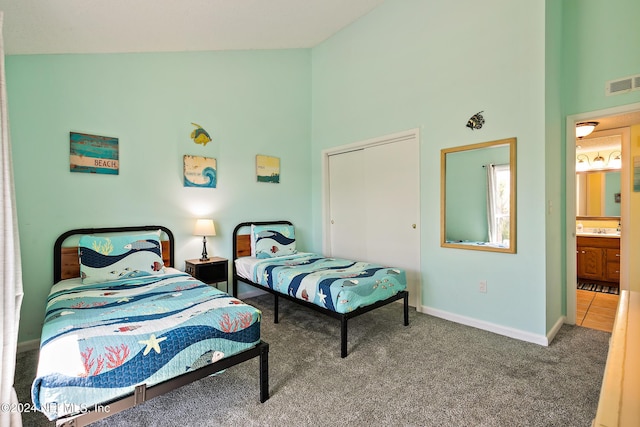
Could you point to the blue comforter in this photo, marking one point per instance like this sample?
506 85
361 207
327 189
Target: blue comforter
99 341
339 285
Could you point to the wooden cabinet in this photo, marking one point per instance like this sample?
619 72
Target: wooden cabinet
590 263
612 272
599 260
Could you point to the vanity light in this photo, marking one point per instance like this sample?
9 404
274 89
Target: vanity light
585 128
616 162
598 162
583 162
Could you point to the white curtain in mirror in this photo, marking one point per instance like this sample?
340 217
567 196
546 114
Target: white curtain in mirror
498 180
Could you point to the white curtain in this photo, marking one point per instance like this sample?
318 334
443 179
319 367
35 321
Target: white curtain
492 200
10 270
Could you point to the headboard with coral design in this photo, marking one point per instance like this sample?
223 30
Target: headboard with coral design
66 264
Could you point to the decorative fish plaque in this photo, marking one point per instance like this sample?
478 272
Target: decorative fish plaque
199 135
476 121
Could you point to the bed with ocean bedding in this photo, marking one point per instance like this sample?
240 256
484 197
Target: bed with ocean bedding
122 326
267 258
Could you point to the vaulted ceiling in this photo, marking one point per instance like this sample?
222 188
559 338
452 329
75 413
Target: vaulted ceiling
107 26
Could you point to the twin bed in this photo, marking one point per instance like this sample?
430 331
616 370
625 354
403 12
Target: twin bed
265 256
123 326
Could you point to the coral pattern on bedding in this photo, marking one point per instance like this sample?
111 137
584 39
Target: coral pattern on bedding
101 340
339 285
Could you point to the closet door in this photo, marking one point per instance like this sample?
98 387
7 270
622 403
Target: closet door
393 206
374 210
347 201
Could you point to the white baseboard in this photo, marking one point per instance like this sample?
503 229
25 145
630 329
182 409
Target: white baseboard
28 345
491 327
552 333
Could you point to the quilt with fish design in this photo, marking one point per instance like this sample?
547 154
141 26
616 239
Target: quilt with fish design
339 285
101 340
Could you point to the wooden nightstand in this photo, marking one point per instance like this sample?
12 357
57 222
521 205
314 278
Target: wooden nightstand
212 271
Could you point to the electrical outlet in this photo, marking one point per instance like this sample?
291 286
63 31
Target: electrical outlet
483 286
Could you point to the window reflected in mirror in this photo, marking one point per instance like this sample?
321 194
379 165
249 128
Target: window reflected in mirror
478 196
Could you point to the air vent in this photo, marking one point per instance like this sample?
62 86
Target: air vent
624 85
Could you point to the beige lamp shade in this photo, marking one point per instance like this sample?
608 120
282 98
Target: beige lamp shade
204 227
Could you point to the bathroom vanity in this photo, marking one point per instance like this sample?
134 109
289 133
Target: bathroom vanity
599 259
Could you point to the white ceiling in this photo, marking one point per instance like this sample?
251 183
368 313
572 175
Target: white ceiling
107 26
597 142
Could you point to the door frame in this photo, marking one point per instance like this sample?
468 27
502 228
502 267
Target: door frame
570 194
361 145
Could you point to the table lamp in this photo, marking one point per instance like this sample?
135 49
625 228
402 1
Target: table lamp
204 228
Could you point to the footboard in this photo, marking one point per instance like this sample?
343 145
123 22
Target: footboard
143 393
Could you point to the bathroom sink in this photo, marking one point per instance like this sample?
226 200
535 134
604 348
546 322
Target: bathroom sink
593 234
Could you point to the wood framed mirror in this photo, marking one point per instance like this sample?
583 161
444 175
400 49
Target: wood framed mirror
478 196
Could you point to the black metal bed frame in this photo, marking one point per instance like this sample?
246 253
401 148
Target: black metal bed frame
143 393
343 317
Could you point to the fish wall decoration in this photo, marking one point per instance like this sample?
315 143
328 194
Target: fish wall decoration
199 135
476 121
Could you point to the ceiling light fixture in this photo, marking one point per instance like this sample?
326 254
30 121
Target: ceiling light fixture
585 128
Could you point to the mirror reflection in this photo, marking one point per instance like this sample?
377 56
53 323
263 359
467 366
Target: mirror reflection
598 193
598 184
478 196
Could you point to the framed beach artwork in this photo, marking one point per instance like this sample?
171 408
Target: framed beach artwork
268 169
93 154
200 172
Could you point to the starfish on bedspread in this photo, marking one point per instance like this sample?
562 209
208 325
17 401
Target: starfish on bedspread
322 296
152 343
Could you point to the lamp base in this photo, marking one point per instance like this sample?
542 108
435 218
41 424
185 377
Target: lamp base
205 256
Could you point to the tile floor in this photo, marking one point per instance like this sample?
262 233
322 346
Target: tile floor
596 310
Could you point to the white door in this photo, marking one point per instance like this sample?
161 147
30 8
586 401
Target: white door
393 209
347 200
374 212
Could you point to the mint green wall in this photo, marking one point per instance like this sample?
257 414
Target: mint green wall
253 102
555 247
432 65
601 43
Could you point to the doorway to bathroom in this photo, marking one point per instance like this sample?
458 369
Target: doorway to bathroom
598 190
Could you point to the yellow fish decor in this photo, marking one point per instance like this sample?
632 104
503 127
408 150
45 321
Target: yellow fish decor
199 135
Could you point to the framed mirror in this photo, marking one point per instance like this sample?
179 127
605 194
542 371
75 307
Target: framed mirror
478 196
598 194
